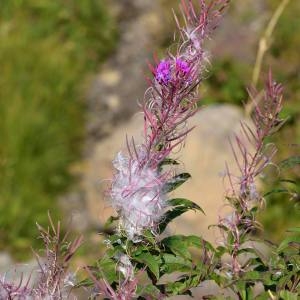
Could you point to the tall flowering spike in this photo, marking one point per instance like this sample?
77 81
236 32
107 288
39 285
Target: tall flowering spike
137 188
54 280
252 155
266 121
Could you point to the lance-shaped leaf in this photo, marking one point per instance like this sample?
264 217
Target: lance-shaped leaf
151 261
286 295
168 161
289 162
289 241
179 206
175 182
180 244
185 203
172 263
294 229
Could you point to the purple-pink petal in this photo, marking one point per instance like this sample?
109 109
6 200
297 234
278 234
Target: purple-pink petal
163 72
182 66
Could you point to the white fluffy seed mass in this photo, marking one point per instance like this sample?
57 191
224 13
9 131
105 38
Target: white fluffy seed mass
137 196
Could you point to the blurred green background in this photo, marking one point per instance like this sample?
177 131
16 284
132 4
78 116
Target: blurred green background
48 49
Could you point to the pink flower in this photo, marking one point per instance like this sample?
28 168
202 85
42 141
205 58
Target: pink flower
182 67
174 72
163 72
172 98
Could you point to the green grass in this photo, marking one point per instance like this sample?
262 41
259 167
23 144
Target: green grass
47 48
226 83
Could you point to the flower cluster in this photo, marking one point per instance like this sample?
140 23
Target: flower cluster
173 72
163 72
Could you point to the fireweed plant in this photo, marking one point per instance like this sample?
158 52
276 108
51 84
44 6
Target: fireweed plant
137 256
141 260
52 279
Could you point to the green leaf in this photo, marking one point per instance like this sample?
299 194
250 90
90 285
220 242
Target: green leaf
168 161
175 182
294 229
115 251
218 278
193 241
276 191
220 250
84 283
253 275
288 241
115 239
169 216
150 237
108 224
172 263
177 245
248 250
107 269
180 206
188 204
286 295
241 287
208 246
180 287
289 162
139 249
288 181
263 296
151 261
180 244
268 281
149 291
